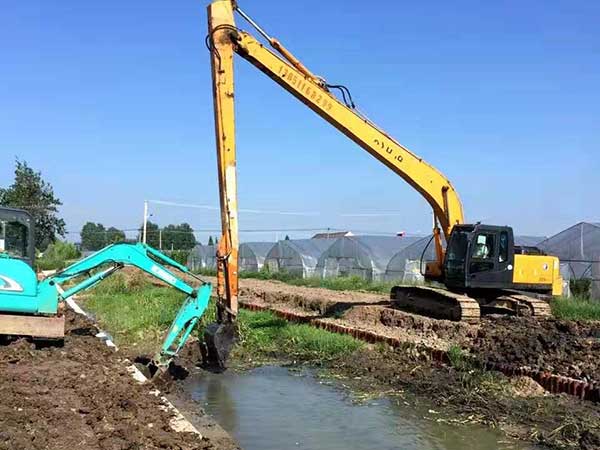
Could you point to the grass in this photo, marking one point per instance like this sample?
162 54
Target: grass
136 313
133 311
264 334
575 309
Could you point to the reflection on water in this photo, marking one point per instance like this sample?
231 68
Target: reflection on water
272 408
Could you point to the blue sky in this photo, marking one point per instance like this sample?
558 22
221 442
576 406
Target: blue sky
111 100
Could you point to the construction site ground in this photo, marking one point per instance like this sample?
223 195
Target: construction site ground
568 348
81 395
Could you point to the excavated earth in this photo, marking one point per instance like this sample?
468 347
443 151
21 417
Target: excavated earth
80 395
568 348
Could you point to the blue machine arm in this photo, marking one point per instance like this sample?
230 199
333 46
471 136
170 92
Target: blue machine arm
151 261
119 255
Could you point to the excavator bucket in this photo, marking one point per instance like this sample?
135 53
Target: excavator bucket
219 339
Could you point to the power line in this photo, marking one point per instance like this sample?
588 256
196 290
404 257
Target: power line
212 230
251 211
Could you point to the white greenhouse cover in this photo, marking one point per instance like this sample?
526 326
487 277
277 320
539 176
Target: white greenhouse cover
578 249
363 256
202 257
297 256
252 255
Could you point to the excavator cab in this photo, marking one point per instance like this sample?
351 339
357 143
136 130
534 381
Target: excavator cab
479 256
17 238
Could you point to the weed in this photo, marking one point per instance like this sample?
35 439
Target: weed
458 359
264 333
575 308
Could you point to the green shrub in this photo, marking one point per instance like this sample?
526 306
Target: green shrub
181 256
581 288
57 256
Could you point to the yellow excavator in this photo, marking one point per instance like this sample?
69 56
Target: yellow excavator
480 266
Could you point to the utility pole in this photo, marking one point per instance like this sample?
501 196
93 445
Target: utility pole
145 221
160 238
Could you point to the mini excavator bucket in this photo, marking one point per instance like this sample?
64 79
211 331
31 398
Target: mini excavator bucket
219 339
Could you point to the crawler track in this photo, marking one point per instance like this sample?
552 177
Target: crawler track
436 303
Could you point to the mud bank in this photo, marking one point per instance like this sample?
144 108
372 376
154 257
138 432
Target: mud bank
81 395
517 406
567 348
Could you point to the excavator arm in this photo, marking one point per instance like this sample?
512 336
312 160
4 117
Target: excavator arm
151 261
224 40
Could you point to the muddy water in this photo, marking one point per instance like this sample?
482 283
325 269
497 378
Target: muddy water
273 408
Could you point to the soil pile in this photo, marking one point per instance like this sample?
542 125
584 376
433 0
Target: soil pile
566 348
79 395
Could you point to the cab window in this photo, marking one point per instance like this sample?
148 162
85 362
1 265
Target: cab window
482 253
503 247
13 239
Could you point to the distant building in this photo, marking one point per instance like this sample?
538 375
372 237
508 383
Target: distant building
332 235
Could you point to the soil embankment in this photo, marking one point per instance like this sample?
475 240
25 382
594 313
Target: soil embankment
567 348
81 395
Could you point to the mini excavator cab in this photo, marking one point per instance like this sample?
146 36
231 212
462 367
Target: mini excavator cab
17 235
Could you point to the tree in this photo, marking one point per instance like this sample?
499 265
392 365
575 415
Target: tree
152 234
287 238
93 236
114 235
32 193
210 241
178 237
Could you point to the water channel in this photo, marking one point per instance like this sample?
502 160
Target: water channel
274 408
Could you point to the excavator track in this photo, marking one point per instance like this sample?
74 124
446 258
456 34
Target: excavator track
436 303
518 304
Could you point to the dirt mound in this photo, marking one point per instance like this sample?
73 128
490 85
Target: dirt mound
563 347
79 395
526 387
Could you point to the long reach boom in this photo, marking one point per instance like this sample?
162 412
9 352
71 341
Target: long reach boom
224 40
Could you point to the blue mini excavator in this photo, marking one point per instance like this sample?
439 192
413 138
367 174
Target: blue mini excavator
29 307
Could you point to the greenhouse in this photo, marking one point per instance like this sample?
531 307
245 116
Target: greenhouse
298 256
408 265
252 255
405 265
202 257
578 249
363 256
